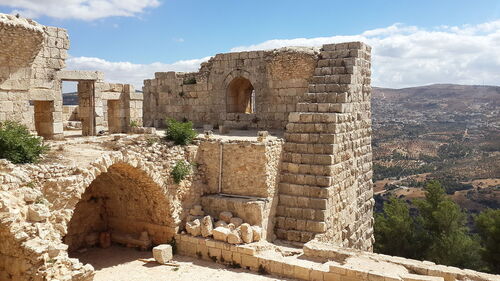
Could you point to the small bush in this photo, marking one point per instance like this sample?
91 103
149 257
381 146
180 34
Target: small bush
182 133
18 145
180 171
134 124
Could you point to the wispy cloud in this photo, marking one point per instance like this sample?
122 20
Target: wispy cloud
131 73
79 9
402 56
178 40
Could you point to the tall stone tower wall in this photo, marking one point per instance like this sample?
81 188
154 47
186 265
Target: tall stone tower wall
326 181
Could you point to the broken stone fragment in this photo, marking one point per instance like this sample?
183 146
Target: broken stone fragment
206 226
220 233
234 237
55 249
236 221
225 216
231 226
38 212
196 211
221 223
194 227
257 233
163 253
246 233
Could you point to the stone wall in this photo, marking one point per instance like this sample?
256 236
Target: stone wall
30 56
279 78
70 113
43 203
326 179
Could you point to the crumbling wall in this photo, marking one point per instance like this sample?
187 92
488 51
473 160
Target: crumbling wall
39 206
279 78
30 54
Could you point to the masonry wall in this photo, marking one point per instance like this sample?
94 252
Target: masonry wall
279 78
30 54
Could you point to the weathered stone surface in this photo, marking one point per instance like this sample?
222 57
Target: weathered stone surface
38 212
236 221
246 233
206 226
194 227
234 237
196 211
226 216
163 253
220 233
257 233
221 223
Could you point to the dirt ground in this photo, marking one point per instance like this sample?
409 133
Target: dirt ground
123 264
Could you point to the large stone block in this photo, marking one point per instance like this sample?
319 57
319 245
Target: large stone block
163 253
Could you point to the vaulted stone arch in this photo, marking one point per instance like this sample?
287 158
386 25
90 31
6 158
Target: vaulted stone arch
122 200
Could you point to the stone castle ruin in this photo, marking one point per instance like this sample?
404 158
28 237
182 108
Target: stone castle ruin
250 197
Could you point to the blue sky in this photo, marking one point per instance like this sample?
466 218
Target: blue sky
154 35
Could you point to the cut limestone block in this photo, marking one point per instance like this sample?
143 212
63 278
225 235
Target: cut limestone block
194 227
234 237
221 223
163 253
246 233
236 221
206 226
220 233
257 233
225 216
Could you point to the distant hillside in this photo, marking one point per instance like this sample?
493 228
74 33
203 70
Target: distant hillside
451 96
70 98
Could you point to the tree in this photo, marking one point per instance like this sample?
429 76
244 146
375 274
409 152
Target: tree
437 232
393 229
488 227
445 231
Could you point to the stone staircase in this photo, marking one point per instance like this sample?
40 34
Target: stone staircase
326 167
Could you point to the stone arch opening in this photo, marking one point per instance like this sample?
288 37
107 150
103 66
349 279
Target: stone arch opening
123 206
240 96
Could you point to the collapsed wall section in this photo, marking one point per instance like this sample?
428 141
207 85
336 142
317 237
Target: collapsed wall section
30 55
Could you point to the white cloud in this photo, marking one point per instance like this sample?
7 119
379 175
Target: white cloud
405 56
79 9
130 73
178 40
402 56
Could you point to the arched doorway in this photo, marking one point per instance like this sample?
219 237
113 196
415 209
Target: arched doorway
240 96
123 203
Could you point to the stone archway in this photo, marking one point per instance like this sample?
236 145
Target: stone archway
125 202
240 96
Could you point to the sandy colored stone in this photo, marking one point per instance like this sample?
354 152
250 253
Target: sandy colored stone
234 237
194 227
246 233
236 221
220 223
257 233
163 253
226 216
206 226
220 233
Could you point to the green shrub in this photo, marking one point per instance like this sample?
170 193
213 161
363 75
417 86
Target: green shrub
182 133
134 124
180 171
18 145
